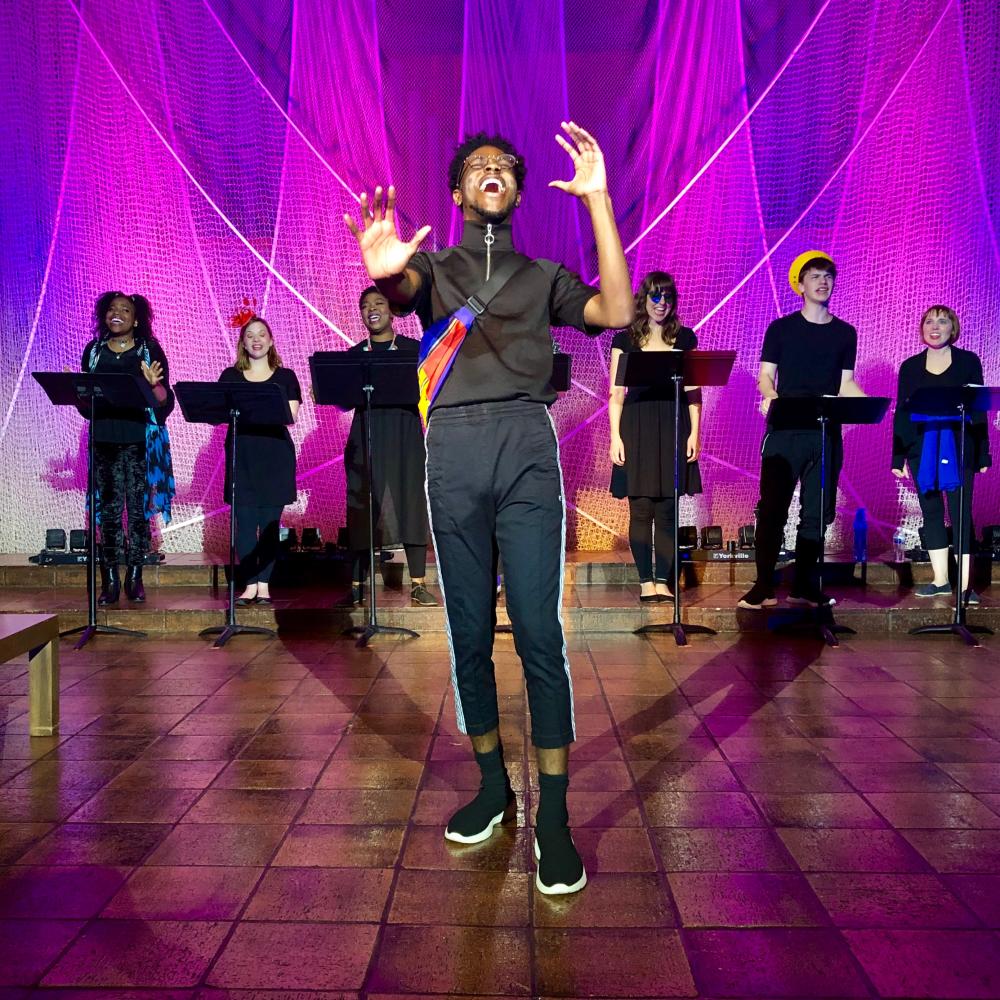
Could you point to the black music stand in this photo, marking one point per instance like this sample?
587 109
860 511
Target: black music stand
233 403
959 402
805 413
82 390
347 380
677 368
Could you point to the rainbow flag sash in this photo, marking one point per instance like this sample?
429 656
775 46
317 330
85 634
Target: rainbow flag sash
438 350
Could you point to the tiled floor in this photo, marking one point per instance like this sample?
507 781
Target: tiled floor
760 817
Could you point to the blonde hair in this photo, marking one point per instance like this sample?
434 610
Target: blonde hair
243 359
946 311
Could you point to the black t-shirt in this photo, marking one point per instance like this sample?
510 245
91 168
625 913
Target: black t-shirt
113 425
686 340
811 357
508 352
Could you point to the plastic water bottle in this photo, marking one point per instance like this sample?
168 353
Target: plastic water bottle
860 536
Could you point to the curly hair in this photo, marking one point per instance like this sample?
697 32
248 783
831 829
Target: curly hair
639 330
143 315
472 143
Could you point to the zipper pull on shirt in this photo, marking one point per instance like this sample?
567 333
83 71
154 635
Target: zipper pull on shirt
488 239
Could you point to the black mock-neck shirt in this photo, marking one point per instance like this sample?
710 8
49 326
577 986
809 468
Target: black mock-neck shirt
507 353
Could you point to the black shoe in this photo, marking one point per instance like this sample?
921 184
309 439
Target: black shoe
110 585
560 868
476 821
811 598
134 589
757 597
264 602
420 595
972 599
649 598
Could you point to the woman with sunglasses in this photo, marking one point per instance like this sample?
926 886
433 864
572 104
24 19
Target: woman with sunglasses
642 437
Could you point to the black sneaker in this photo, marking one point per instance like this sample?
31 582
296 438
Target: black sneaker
972 599
419 594
560 868
932 590
475 822
811 598
757 597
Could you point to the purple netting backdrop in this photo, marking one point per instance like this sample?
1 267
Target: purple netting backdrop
200 151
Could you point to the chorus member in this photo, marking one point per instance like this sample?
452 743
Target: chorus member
493 457
400 503
929 445
265 464
642 436
810 352
132 467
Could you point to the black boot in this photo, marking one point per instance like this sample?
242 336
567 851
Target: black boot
134 589
110 582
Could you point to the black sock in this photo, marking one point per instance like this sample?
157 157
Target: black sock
495 782
552 812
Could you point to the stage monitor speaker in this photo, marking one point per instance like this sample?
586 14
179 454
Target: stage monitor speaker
687 537
55 539
747 536
711 536
78 540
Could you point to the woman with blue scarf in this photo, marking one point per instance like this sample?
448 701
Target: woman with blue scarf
930 446
132 466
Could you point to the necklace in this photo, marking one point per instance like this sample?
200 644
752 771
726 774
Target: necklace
121 342
391 347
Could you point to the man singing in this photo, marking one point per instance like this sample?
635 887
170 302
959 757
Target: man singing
493 457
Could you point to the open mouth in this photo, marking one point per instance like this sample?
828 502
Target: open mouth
373 318
492 185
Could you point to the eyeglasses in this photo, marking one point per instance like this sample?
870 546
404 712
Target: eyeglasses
657 295
506 161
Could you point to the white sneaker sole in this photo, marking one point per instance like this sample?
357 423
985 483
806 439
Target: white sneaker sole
475 838
560 888
805 602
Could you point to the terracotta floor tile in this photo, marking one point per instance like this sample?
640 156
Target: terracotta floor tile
728 809
40 805
239 844
773 962
372 774
95 844
340 895
925 810
624 962
145 774
388 747
477 960
610 900
745 899
16 838
139 953
225 805
818 810
938 964
359 806
958 851
63 891
340 847
30 946
507 850
274 774
683 776
851 851
980 893
150 805
721 849
183 893
290 746
899 900
219 747
803 776
465 898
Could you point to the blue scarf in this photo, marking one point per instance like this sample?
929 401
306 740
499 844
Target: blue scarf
938 456
160 488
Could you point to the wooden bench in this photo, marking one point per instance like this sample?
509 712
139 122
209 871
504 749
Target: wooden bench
38 636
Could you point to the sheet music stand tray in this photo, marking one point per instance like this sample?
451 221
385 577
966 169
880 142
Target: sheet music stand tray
960 402
348 380
81 390
232 403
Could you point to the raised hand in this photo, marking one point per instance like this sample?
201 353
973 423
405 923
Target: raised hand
589 175
383 252
153 373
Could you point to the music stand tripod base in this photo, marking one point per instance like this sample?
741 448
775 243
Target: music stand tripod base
226 632
678 629
962 629
821 621
89 631
367 632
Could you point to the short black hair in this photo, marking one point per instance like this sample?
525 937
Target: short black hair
473 142
368 291
818 264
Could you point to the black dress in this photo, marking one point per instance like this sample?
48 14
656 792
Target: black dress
399 463
265 456
647 431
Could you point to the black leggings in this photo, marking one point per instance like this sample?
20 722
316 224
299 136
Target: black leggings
651 526
416 563
257 536
935 534
120 475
